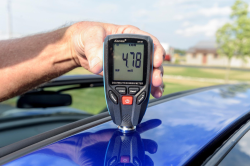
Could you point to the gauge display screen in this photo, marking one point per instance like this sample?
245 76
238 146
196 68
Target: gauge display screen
128 60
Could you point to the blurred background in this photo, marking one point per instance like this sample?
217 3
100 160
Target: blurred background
206 42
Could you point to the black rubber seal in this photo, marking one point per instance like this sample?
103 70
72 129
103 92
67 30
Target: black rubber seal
202 156
23 147
227 146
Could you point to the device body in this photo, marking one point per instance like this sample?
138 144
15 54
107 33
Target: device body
127 68
125 149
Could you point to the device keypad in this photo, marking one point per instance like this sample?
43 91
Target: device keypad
141 97
133 90
122 90
113 97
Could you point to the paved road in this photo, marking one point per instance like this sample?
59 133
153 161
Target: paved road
206 67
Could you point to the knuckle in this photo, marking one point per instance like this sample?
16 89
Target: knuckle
95 28
132 27
128 29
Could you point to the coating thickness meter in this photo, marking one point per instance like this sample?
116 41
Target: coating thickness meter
127 66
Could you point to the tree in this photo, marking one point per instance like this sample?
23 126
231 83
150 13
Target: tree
226 41
241 23
233 39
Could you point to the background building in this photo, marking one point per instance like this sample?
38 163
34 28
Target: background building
169 52
205 53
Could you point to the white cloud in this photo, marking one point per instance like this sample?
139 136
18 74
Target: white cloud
208 29
179 17
161 17
207 12
186 23
215 11
243 143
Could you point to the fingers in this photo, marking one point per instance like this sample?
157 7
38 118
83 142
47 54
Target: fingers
157 91
150 146
148 125
157 76
159 53
148 161
91 41
157 88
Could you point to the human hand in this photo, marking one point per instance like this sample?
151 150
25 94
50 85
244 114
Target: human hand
87 48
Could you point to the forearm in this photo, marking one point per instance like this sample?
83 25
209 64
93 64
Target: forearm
30 61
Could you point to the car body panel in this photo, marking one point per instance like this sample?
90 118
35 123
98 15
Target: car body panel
187 125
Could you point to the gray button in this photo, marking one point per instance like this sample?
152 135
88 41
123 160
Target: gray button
121 90
133 91
141 98
113 97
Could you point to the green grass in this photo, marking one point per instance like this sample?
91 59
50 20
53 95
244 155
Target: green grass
192 72
11 102
92 100
207 73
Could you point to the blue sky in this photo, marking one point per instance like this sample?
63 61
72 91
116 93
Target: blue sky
181 23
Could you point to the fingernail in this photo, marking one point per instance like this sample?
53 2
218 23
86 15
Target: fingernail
160 94
94 62
162 90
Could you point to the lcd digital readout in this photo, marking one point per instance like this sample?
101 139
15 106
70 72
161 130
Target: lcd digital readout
128 61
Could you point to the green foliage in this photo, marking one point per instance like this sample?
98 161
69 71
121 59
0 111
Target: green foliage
225 37
233 38
241 23
180 51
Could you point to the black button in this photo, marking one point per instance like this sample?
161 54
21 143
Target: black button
133 91
140 98
113 97
121 90
137 162
119 164
129 164
112 161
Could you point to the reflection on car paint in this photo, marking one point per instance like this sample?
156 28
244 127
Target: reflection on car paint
129 148
92 148
187 125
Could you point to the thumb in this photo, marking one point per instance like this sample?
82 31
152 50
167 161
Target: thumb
92 40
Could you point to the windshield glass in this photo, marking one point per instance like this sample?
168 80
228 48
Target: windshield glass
240 154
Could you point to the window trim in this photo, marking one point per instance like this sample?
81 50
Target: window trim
227 146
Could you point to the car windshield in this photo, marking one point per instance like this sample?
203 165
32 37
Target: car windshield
240 154
89 100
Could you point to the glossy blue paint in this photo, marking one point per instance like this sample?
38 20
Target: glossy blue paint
187 124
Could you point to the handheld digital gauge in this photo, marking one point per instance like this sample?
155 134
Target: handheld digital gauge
127 67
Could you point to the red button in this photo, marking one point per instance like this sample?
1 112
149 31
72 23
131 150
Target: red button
124 159
127 100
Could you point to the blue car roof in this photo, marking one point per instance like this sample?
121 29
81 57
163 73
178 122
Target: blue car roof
180 128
